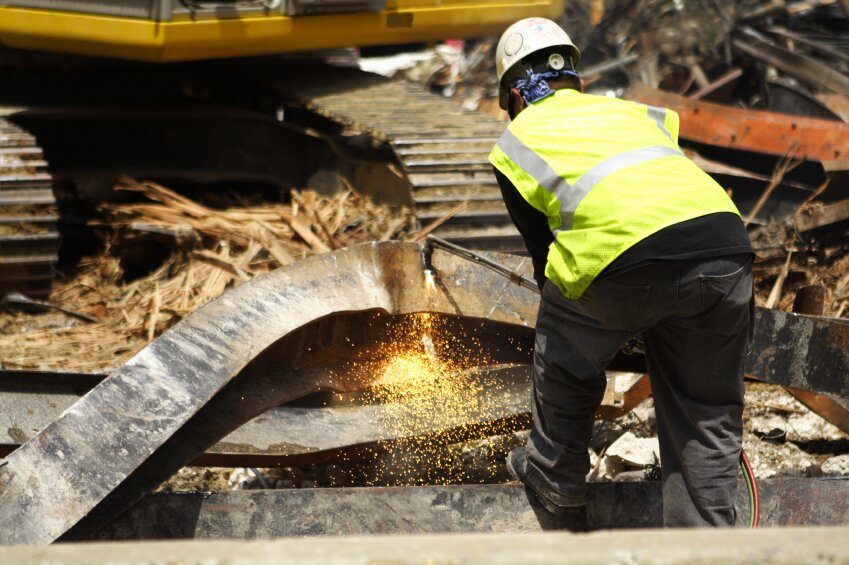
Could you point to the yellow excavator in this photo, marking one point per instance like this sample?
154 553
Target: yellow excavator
195 92
190 30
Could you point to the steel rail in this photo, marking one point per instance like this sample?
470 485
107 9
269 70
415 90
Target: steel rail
440 509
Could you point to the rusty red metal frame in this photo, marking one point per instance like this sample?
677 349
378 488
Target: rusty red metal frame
750 130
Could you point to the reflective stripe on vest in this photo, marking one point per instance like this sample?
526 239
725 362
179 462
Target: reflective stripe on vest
542 173
658 116
568 196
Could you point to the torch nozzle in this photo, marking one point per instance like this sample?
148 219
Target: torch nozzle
513 276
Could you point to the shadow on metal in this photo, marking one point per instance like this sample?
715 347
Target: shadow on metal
329 427
326 427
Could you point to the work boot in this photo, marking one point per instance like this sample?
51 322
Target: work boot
572 518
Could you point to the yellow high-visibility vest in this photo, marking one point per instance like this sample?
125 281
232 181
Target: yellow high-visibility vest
607 173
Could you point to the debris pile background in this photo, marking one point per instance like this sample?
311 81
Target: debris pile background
213 250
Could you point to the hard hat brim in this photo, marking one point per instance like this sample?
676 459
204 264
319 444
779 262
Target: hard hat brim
518 69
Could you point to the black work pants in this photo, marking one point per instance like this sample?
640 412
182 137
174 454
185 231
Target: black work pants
695 317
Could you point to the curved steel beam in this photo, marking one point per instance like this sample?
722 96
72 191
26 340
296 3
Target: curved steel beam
223 365
259 346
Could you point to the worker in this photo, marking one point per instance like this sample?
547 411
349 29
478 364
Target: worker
628 237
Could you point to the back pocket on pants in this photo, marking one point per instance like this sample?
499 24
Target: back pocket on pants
725 300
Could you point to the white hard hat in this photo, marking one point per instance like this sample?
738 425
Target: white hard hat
524 38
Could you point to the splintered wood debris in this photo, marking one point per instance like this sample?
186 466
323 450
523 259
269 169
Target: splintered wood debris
213 251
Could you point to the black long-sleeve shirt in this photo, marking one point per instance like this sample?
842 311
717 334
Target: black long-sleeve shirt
713 235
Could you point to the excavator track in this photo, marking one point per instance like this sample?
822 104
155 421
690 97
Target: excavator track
29 240
442 147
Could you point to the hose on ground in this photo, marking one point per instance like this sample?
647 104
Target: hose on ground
752 486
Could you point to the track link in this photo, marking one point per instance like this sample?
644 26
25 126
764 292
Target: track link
29 240
443 149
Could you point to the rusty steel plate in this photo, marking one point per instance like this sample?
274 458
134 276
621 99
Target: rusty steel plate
750 130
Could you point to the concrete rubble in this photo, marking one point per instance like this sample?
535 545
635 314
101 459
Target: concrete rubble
634 451
837 466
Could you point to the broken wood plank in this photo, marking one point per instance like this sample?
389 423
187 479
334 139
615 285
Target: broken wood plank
427 230
833 409
726 78
303 227
810 218
626 401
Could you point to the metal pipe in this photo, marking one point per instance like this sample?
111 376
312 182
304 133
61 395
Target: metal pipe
513 276
799 66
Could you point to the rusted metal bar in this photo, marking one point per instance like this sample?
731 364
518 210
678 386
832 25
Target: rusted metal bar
799 351
832 408
434 509
750 130
811 300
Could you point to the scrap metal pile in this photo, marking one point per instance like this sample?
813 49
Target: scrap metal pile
761 89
